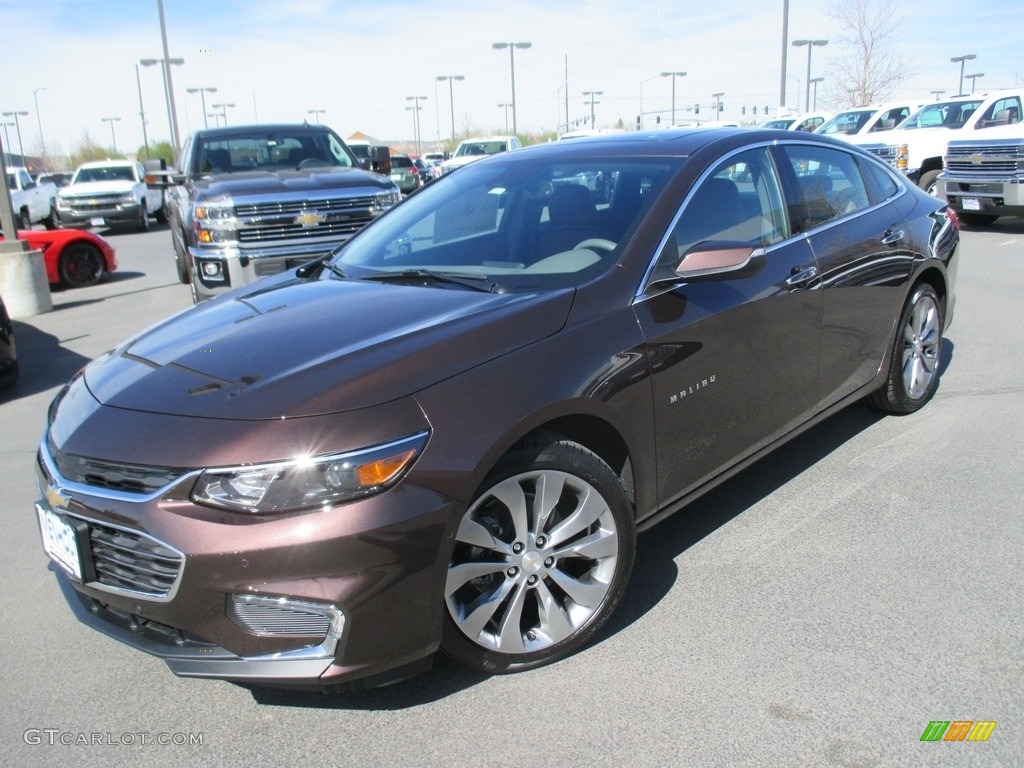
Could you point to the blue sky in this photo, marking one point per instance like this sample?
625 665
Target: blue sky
360 60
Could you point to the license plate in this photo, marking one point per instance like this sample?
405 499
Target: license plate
971 204
396 176
60 541
97 222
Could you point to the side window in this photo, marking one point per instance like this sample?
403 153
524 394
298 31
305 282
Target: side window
829 184
1002 112
880 183
740 201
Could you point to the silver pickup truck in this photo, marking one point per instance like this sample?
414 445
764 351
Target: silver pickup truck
32 203
250 201
984 177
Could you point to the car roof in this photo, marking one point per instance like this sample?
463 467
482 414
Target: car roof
248 130
107 163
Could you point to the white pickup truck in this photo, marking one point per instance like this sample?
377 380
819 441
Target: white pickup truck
32 203
916 147
984 176
111 193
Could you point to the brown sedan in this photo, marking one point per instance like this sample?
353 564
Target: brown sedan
447 434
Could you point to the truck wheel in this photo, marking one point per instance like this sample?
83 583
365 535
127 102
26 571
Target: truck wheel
143 225
52 221
161 212
24 220
181 264
929 182
977 219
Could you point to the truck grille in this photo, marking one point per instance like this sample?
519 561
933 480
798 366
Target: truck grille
303 220
985 160
95 202
126 560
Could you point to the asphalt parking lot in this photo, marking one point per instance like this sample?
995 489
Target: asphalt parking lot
822 608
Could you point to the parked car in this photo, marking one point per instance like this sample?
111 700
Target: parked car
869 119
32 203
472 150
8 350
406 174
73 257
111 193
57 178
808 122
447 433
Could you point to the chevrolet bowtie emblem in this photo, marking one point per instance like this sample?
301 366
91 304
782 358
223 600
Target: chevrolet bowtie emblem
310 218
56 499
977 159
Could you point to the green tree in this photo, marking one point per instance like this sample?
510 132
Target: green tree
158 150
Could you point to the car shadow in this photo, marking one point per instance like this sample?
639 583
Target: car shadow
42 361
111 277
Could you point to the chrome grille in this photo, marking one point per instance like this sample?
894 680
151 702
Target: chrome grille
126 560
270 617
298 206
95 202
116 476
986 159
331 220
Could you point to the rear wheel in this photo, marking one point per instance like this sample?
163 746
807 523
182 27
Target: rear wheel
143 223
52 221
24 220
161 212
930 182
914 369
81 264
541 559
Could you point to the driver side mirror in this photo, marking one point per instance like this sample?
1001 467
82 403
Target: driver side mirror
716 258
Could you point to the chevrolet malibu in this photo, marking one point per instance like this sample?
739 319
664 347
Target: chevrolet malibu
445 435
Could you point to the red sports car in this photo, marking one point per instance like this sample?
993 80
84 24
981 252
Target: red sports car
73 257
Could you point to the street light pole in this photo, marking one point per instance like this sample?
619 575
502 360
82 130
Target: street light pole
113 138
593 95
512 62
39 122
202 91
974 77
963 59
816 80
451 96
937 93
317 113
416 117
718 104
172 115
175 137
673 75
142 112
810 46
17 128
506 107
223 111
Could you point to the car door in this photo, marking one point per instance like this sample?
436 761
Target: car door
863 246
733 357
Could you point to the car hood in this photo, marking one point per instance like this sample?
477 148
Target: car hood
287 181
87 188
308 347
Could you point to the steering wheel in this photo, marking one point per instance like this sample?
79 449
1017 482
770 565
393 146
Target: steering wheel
596 242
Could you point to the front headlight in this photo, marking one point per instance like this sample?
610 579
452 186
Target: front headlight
214 222
308 483
214 210
382 201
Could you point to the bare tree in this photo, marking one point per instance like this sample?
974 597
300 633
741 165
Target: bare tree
869 66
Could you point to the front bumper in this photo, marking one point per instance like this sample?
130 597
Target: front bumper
374 567
74 214
219 269
998 197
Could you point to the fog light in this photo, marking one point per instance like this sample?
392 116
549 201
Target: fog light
274 616
211 268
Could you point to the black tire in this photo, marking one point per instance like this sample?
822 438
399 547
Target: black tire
575 559
161 212
929 182
913 372
52 221
977 219
143 224
181 262
24 220
81 264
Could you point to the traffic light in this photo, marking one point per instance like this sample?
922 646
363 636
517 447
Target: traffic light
696 109
755 109
721 106
743 110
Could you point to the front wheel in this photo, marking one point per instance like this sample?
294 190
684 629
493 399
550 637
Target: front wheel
143 223
930 182
541 559
81 264
52 220
914 369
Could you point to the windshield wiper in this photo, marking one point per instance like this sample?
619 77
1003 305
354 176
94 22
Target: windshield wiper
475 282
307 269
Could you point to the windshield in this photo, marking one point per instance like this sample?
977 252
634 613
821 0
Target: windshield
780 124
481 148
524 225
948 114
847 123
274 151
115 173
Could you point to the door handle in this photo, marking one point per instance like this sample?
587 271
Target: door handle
891 238
801 275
